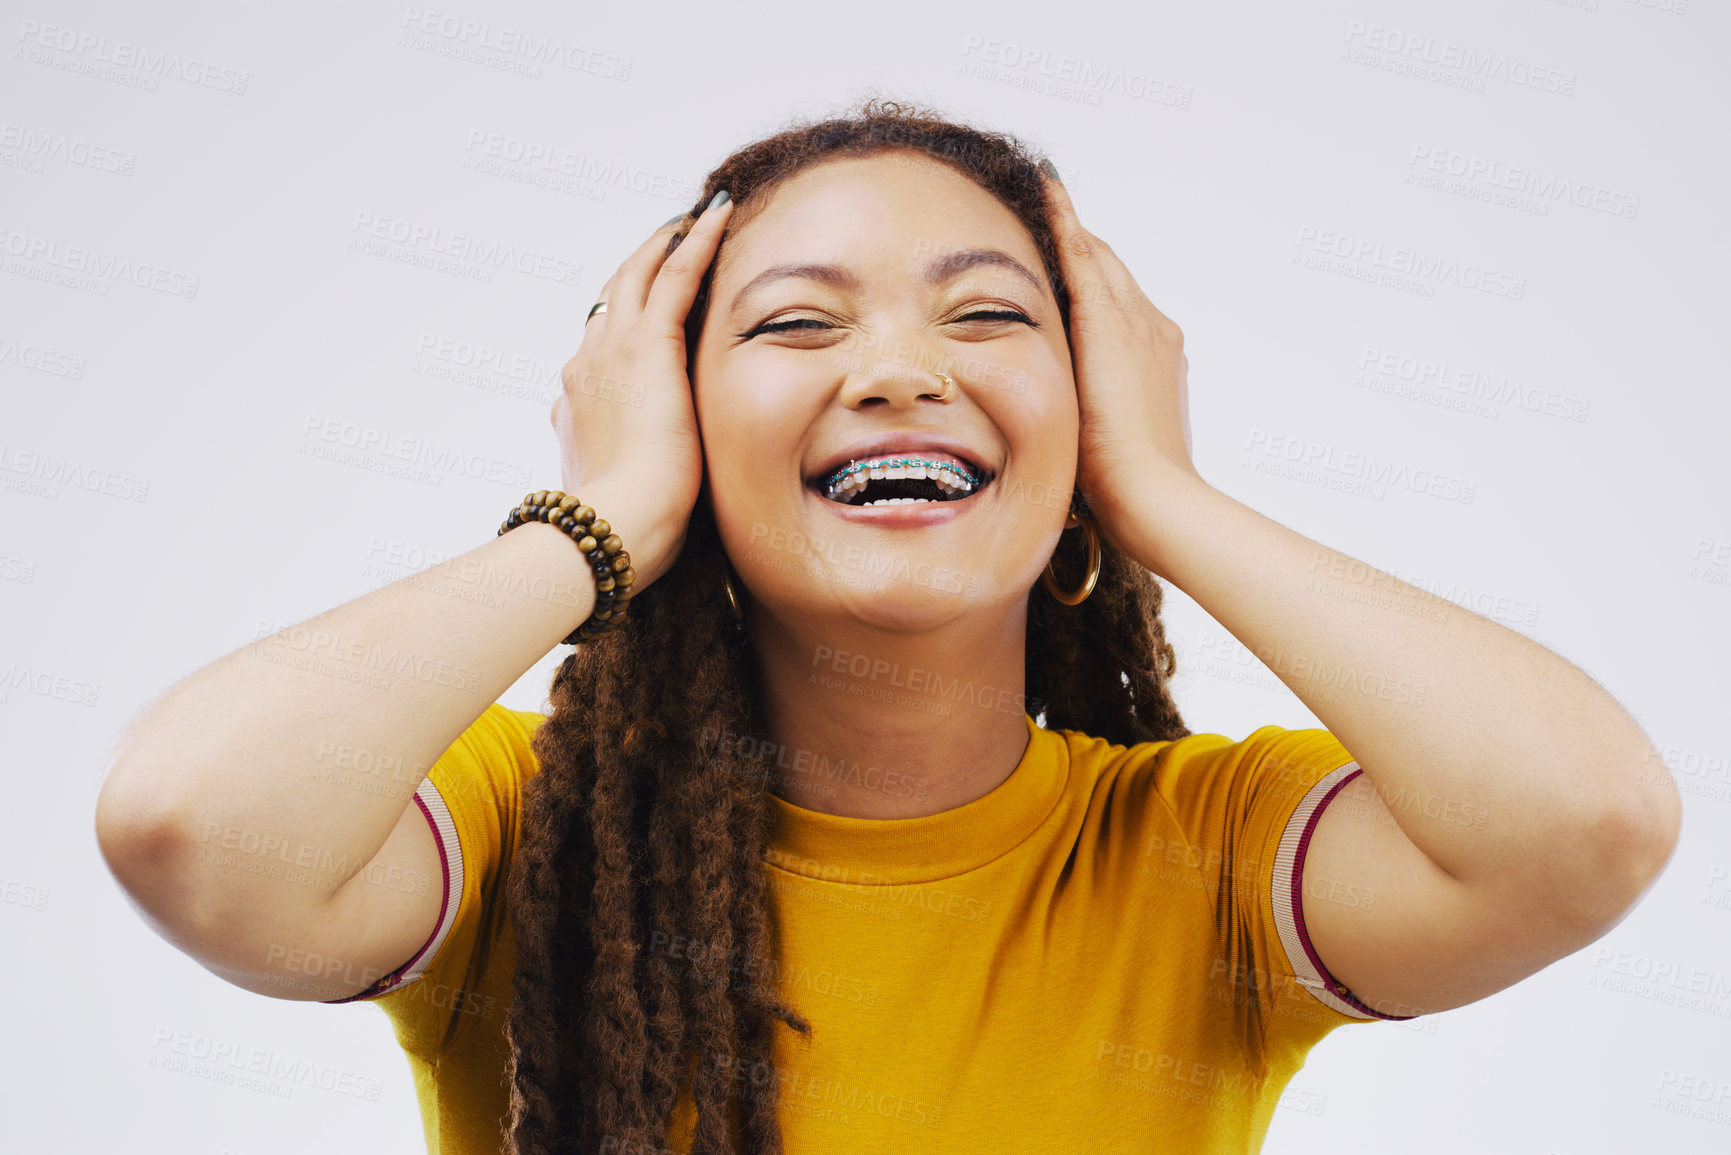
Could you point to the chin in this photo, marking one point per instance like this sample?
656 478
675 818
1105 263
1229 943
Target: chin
906 606
899 595
904 569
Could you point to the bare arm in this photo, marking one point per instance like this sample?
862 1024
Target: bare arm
219 813
1507 808
1507 815
230 811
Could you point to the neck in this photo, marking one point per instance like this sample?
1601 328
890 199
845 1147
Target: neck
873 723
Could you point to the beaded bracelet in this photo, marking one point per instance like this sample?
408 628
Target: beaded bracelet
606 553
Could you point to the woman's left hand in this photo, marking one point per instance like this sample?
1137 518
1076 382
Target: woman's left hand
1130 380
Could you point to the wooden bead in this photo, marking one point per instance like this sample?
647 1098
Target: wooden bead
601 547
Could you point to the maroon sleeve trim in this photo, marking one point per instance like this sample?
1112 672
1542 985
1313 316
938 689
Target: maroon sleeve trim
1288 890
438 816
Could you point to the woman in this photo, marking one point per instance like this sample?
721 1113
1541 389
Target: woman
870 824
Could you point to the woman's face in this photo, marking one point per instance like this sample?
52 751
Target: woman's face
832 310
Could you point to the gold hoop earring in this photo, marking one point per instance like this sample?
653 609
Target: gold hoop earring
1094 558
732 598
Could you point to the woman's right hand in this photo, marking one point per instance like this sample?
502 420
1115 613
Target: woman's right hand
627 430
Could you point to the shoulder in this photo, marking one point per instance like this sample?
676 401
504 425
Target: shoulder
515 726
473 794
493 755
1234 818
1272 754
1208 783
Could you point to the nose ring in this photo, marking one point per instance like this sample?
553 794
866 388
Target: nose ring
950 390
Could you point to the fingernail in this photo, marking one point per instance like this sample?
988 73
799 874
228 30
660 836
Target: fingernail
676 217
717 200
1050 169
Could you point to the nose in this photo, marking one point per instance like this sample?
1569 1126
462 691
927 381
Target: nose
899 386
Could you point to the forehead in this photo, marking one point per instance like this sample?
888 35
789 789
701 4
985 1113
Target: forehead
899 205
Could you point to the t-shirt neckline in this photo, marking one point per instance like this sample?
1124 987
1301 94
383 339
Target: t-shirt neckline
901 851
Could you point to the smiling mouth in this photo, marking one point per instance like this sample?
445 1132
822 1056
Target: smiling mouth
902 481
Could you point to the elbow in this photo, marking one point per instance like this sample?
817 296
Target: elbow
141 841
1653 824
150 854
1632 846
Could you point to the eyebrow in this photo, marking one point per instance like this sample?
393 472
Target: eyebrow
945 268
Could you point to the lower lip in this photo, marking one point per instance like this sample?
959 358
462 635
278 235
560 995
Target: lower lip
915 516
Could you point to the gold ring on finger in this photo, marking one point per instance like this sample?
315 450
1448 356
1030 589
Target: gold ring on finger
596 308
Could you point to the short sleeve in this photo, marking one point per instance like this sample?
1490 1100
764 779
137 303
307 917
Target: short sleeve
1248 808
470 799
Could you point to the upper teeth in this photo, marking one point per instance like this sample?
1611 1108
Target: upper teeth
851 478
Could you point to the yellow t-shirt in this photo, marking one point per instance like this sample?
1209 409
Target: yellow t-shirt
1105 953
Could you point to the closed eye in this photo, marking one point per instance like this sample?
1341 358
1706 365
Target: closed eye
988 314
1002 315
785 326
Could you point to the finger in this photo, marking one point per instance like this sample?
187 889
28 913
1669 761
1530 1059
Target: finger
1099 273
1106 278
626 289
1126 290
677 280
1116 272
593 319
1078 250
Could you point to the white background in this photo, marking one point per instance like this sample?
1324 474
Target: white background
1221 149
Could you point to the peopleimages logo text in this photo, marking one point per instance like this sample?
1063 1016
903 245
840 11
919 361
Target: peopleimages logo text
1469 62
1412 262
464 246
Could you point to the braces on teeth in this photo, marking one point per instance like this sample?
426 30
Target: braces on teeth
951 479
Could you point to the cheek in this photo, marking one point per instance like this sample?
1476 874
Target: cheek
1056 432
1040 419
1041 427
751 416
